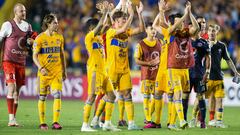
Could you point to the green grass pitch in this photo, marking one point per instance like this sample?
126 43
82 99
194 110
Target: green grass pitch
72 114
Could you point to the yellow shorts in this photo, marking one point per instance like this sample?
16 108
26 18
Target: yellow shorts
47 83
215 87
98 83
161 81
121 81
147 87
178 80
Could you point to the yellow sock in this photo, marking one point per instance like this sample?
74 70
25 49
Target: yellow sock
146 108
170 103
121 108
109 109
42 111
158 109
179 109
219 114
56 109
195 111
100 108
87 112
129 109
152 107
173 114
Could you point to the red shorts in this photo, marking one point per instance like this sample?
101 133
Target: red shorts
14 73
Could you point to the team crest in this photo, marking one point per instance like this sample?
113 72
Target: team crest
45 43
219 51
58 42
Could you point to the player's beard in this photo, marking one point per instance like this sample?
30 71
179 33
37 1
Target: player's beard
21 17
55 30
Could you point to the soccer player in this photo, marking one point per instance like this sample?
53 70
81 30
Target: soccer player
161 25
215 84
199 75
48 55
98 81
13 39
203 25
117 58
147 55
195 112
180 58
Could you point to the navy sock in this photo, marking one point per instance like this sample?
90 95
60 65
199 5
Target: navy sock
185 108
202 107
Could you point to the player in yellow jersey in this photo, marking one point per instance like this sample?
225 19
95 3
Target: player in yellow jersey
117 58
98 81
147 55
48 55
161 86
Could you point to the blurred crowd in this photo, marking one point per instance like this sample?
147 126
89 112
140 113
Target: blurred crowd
73 14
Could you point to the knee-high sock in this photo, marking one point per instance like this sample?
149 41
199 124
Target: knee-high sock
146 109
195 110
109 109
87 112
129 109
15 106
211 115
121 107
42 111
56 110
173 117
97 101
152 106
185 105
220 114
170 104
10 102
100 108
158 109
179 109
202 109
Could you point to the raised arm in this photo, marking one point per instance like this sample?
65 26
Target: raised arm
121 6
156 24
195 27
162 8
141 26
103 10
128 22
179 21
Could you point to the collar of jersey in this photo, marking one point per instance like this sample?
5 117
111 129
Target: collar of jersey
149 43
